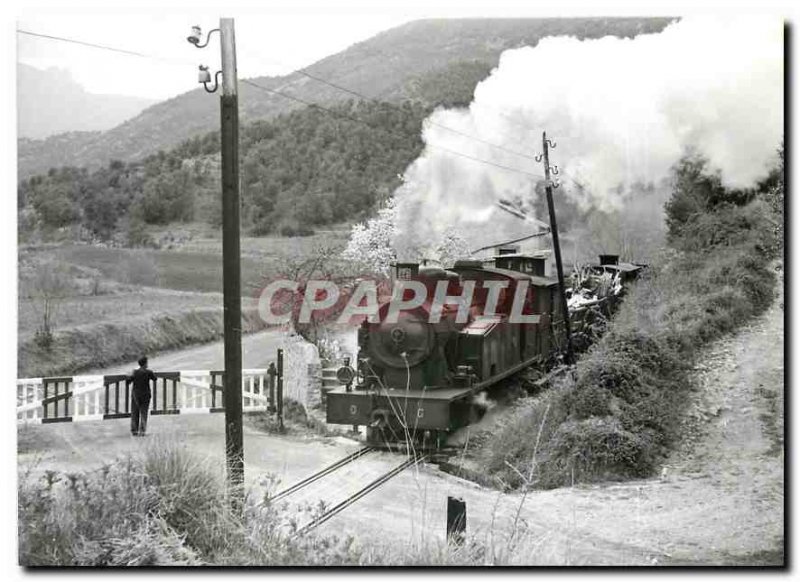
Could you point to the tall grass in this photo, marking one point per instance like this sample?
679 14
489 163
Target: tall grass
163 507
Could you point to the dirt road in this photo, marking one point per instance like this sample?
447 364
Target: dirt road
718 500
258 350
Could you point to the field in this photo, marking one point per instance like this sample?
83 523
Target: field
187 265
109 302
117 307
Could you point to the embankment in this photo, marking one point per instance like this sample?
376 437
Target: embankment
619 414
102 344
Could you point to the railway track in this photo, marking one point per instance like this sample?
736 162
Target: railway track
322 473
339 485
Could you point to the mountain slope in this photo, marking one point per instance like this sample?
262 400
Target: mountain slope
389 66
51 102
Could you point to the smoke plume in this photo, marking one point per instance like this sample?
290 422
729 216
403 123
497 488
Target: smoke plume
621 111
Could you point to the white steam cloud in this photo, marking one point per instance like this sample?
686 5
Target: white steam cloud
622 112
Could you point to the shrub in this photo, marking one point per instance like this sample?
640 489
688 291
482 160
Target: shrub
89 519
162 507
593 448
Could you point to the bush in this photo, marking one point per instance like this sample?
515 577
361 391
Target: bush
109 517
162 507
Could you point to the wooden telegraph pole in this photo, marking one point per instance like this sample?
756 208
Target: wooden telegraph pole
231 271
569 356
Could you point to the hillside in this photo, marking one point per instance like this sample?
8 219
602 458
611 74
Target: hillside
52 102
300 170
406 62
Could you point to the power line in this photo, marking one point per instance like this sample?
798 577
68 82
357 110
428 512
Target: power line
361 121
300 100
435 124
103 47
495 110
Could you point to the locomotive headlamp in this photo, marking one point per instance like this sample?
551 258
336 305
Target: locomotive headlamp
345 374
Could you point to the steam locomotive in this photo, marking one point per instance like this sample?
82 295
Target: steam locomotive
416 377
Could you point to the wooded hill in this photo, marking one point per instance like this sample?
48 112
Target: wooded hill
308 167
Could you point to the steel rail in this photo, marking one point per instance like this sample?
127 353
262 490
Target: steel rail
322 473
358 495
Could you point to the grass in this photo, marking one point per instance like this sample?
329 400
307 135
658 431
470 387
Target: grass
618 414
164 506
183 271
195 265
296 421
117 306
105 343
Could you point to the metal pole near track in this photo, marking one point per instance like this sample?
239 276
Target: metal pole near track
556 246
231 272
456 520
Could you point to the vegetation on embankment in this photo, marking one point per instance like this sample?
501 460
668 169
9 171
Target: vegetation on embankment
619 413
101 344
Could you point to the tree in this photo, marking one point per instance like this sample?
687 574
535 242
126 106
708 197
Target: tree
451 248
137 235
49 286
370 245
324 262
692 188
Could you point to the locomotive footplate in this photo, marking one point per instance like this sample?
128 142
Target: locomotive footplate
429 409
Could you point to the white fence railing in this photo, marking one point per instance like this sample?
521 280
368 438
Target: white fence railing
86 398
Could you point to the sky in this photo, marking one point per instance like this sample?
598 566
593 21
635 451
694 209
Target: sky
267 44
273 38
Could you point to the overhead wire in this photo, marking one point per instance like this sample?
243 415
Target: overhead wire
363 122
310 103
433 123
527 128
103 47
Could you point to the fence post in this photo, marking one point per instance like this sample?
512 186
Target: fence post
271 372
280 388
44 398
456 520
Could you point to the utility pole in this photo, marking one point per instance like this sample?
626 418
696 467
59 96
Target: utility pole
231 270
569 356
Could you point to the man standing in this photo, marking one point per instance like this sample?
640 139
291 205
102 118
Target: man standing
140 398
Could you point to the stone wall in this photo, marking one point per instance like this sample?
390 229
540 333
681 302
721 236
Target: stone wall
302 372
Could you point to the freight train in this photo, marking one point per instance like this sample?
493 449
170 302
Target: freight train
416 377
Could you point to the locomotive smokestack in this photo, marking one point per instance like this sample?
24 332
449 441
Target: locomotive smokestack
404 271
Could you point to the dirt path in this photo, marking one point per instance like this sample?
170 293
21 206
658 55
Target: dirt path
258 350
